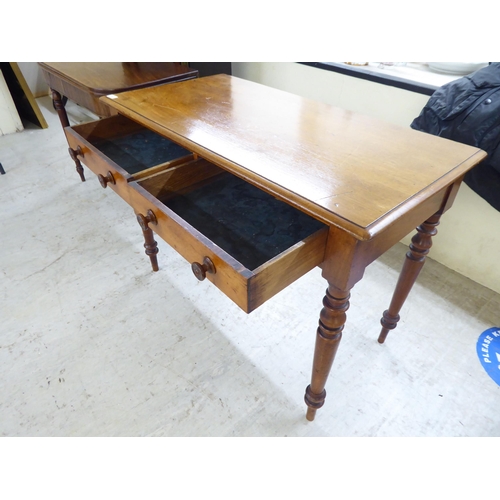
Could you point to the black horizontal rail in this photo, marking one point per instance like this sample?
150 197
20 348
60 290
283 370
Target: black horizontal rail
366 74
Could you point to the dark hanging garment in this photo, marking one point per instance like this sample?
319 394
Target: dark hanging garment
467 110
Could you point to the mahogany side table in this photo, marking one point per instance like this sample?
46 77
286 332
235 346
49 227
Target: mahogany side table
335 189
85 82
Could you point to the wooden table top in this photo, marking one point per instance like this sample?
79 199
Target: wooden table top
344 168
111 77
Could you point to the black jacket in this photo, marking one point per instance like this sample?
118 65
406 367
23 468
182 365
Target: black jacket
467 110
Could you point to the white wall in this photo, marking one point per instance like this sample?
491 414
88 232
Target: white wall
33 76
468 240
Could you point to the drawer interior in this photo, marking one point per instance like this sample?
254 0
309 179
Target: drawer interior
139 150
250 225
131 146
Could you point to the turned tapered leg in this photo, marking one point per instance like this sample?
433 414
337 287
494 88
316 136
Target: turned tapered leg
415 259
149 242
59 107
328 335
63 118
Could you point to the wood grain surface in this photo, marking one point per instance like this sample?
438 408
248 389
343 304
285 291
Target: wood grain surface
341 167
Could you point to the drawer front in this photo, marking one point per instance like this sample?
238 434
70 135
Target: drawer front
108 172
119 150
248 288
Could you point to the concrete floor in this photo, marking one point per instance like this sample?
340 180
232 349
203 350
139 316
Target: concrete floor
93 343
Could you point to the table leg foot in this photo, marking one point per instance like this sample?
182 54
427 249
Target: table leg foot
328 335
149 242
79 169
78 165
151 249
311 413
314 402
415 259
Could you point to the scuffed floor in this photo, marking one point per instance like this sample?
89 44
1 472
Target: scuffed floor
93 343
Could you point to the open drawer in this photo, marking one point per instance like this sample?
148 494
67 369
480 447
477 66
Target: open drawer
246 242
119 150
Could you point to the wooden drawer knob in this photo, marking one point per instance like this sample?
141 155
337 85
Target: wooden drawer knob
104 181
201 270
144 220
75 152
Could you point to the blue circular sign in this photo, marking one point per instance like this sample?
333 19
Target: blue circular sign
488 351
